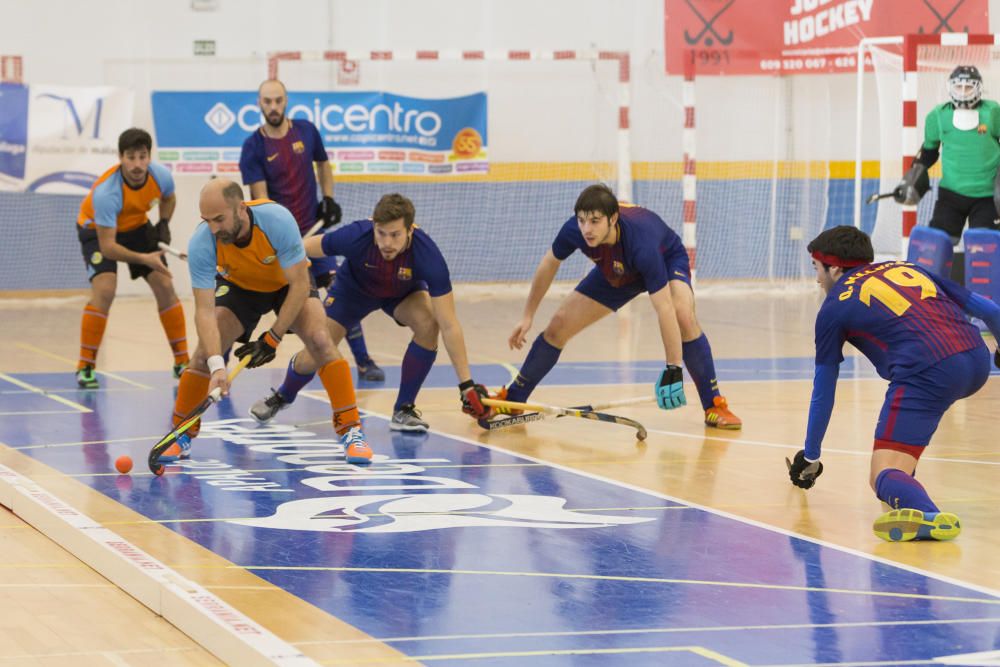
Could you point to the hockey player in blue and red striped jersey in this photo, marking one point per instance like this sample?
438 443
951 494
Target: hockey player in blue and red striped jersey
911 325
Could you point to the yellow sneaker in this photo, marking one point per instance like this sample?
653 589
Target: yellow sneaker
906 524
720 416
502 396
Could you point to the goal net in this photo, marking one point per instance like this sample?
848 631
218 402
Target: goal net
908 88
556 122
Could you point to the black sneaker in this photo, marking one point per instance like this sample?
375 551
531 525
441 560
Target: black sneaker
407 418
86 378
370 372
264 410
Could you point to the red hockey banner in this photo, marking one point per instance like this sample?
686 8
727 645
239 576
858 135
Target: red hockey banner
799 36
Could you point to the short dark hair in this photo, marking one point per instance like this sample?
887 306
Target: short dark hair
597 198
844 242
232 193
134 138
393 207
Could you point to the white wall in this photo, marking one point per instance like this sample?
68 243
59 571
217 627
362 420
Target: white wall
148 44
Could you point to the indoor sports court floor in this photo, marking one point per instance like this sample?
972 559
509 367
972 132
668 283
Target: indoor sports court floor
562 542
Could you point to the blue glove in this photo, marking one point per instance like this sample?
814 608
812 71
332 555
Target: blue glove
669 389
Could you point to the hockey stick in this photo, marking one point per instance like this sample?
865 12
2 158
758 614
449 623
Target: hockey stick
528 417
874 197
189 420
172 250
640 430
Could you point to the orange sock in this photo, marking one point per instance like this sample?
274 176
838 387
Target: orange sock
172 319
336 378
91 332
191 390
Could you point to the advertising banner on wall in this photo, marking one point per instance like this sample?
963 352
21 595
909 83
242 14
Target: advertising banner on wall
799 36
364 132
59 139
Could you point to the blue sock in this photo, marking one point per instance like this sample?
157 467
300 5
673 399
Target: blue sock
416 365
293 383
899 490
698 361
536 366
356 341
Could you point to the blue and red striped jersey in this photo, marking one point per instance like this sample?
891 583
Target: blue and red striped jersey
901 317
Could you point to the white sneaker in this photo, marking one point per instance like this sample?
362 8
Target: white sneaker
407 418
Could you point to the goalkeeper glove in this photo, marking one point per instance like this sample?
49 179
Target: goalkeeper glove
330 212
261 351
472 400
669 389
802 472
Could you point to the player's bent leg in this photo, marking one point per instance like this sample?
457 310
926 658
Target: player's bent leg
335 375
171 319
914 516
698 360
193 386
93 322
577 312
416 313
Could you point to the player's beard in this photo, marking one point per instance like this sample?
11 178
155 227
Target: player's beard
278 115
228 238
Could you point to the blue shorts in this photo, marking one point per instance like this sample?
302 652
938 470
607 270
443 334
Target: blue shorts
914 405
597 287
347 305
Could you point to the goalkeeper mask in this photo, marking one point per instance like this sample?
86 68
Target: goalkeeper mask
965 87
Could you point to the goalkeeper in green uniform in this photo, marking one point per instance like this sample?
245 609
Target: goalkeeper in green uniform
969 128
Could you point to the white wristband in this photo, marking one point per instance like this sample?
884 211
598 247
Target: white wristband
216 363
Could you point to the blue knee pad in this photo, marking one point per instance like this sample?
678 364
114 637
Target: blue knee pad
982 265
931 249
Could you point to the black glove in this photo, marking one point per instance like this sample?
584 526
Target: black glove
803 473
996 357
472 400
163 230
261 351
330 212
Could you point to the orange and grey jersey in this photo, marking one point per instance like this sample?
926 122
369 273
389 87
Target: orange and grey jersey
257 264
112 202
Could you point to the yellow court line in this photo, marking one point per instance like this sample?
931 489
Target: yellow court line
698 650
35 390
640 580
46 353
643 631
82 443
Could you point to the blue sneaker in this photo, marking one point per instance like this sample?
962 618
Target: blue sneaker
906 524
181 449
356 449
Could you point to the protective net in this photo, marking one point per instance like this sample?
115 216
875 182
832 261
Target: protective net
934 64
552 130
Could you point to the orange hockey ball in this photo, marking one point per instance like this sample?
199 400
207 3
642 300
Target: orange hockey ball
124 464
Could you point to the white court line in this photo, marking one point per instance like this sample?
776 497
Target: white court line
18 413
726 515
41 392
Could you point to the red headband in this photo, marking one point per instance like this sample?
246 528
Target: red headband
833 260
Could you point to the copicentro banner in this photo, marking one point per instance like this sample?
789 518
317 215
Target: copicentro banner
363 132
800 36
59 139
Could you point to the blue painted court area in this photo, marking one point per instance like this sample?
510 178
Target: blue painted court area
454 552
